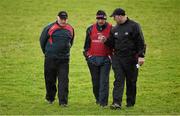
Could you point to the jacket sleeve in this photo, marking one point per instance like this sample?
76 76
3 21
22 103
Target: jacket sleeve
110 40
72 40
44 38
139 41
87 41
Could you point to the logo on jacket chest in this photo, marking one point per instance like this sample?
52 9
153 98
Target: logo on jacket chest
116 34
125 33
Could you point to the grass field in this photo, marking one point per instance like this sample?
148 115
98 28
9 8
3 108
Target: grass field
22 87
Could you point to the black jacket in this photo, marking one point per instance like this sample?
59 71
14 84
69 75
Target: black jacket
62 42
127 40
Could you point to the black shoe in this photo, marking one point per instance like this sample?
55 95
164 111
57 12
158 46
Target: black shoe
129 105
97 103
49 101
63 105
115 106
103 106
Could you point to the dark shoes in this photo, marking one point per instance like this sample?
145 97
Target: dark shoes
63 105
129 105
101 105
104 106
115 106
97 103
49 101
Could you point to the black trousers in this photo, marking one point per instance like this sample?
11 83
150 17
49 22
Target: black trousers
100 81
124 69
56 69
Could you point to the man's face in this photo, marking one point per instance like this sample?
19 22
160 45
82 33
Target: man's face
62 21
101 21
118 18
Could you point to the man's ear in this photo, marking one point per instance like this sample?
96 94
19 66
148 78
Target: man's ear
57 17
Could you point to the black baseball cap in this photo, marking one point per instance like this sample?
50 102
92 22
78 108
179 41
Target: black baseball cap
118 11
63 14
101 15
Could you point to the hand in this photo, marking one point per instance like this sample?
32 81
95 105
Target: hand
102 38
141 61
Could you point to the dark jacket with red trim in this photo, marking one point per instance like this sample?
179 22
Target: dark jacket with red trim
57 43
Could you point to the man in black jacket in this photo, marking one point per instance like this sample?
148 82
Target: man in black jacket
127 40
56 40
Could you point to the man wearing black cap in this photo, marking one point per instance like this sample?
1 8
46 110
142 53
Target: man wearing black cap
56 40
127 40
98 57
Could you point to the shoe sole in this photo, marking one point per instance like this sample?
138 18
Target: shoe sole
115 108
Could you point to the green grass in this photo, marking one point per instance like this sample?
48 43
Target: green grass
22 87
